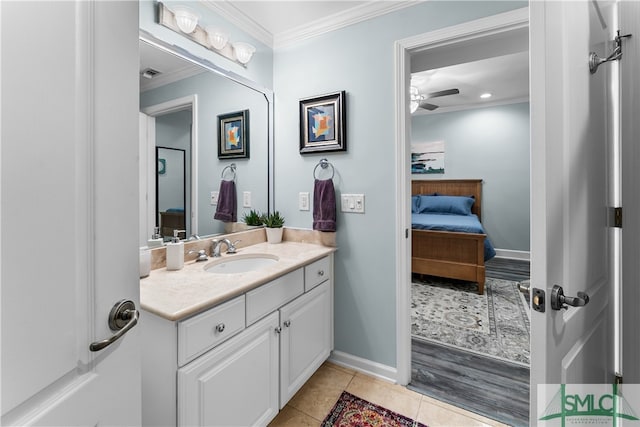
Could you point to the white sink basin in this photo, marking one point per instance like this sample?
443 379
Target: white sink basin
240 263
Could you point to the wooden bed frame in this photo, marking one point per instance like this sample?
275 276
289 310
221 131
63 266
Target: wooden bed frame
444 253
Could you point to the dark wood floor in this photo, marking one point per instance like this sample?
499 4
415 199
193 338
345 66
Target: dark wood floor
484 385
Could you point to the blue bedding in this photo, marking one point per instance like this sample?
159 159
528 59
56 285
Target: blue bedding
460 223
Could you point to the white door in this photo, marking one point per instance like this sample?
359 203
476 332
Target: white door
572 188
69 229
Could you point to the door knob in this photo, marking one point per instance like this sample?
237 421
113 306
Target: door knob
559 300
122 317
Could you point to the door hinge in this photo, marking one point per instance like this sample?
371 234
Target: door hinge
618 378
406 233
615 217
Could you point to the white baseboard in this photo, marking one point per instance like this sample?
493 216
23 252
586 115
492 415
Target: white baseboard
365 366
511 254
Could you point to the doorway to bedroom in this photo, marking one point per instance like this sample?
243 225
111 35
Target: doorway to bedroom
470 343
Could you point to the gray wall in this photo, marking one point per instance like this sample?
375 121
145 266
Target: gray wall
358 59
490 143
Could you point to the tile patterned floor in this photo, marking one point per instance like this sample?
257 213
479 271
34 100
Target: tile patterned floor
316 398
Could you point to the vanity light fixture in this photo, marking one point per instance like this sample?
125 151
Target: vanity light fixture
186 19
217 37
486 95
244 51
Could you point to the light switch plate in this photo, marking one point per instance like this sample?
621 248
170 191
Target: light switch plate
303 201
246 199
352 203
214 198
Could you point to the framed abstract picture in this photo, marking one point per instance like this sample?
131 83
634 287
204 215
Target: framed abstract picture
323 123
233 135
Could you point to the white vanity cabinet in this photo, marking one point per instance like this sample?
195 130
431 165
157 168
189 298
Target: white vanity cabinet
240 362
236 383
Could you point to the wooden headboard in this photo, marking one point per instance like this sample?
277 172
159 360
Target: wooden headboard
452 187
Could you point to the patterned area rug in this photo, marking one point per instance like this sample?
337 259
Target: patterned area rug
351 411
451 312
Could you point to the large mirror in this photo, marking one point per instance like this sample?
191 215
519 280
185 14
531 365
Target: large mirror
182 101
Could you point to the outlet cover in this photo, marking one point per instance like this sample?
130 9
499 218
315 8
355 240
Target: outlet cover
246 199
214 198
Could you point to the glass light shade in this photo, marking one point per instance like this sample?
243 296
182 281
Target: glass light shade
415 99
217 37
186 19
244 51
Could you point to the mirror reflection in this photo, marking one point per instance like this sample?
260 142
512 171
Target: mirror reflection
182 104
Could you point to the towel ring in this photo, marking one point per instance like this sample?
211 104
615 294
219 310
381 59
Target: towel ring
232 167
324 163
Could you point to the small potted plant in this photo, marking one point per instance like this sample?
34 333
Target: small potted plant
273 223
253 218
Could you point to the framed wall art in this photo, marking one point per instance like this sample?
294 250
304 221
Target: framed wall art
233 135
323 121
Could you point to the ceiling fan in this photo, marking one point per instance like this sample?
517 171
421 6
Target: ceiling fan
419 101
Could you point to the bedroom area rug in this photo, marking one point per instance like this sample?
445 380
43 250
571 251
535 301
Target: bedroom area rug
351 411
451 313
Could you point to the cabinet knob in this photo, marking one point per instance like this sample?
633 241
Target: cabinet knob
220 328
278 330
287 323
320 273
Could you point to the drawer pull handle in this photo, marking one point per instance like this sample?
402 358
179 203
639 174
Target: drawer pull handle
287 323
321 273
220 328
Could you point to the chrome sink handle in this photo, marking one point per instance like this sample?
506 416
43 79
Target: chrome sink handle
122 317
231 249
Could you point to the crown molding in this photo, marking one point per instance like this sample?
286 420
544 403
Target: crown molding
343 19
360 13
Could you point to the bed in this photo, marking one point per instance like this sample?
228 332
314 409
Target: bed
439 248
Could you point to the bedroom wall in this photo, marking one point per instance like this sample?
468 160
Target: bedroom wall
490 143
358 59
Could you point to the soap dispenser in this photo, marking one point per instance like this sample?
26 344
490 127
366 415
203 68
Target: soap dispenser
156 239
175 252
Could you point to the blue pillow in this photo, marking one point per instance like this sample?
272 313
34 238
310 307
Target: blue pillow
452 205
415 204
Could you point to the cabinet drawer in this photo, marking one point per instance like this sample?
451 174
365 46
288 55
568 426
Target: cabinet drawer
206 330
271 296
316 273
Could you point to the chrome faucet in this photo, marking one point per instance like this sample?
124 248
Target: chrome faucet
215 247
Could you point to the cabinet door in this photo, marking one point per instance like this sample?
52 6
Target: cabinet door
305 341
236 383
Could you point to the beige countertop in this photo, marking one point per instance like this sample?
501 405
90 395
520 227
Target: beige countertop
175 295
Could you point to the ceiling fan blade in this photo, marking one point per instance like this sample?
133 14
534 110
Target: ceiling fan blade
443 93
428 106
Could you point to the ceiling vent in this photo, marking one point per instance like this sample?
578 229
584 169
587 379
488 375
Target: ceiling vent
149 73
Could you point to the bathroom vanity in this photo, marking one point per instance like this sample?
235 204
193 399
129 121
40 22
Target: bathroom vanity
232 349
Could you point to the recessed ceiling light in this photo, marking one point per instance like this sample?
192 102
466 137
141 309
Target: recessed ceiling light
485 95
